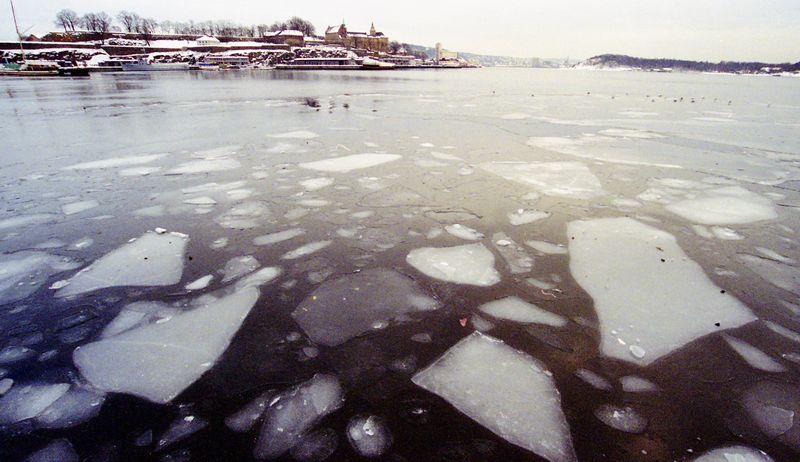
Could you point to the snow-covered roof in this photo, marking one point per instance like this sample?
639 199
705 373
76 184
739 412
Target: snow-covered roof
207 38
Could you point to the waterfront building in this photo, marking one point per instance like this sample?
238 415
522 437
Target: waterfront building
372 40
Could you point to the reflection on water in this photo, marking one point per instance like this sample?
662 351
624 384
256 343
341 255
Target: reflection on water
205 265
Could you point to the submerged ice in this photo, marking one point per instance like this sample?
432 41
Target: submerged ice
649 296
352 305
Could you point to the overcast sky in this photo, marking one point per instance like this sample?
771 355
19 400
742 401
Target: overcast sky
764 30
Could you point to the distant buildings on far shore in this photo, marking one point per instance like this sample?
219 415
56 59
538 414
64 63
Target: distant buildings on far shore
372 40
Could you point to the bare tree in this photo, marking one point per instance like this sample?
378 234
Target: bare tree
97 22
129 20
89 22
278 26
67 19
296 23
146 27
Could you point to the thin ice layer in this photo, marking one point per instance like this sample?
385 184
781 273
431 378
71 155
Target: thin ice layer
349 306
464 264
158 361
345 164
22 273
506 391
151 260
725 206
650 297
562 179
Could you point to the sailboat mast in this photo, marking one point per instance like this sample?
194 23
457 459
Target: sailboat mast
19 36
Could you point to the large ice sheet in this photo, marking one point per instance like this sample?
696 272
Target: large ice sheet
151 260
351 305
464 264
733 454
348 163
649 296
506 391
158 361
116 162
572 180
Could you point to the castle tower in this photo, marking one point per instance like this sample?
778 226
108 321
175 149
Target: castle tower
372 31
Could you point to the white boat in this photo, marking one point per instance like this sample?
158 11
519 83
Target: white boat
321 64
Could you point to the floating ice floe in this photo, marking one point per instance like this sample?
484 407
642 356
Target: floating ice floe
139 171
294 412
239 266
506 391
725 206
23 273
464 232
445 156
517 310
205 166
773 407
369 435
202 200
523 217
304 250
572 180
786 277
26 220
314 184
783 331
243 420
151 260
181 428
594 379
623 418
296 135
154 211
78 207
76 406
15 353
116 162
280 236
773 255
465 264
200 283
59 450
315 446
244 216
158 361
349 306
649 296
733 454
346 164
634 384
26 401
547 247
517 260
753 356
138 314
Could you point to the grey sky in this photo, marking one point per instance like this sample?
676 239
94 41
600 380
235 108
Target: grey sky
765 30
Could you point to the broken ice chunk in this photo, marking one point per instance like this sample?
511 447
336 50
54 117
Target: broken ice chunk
57 451
259 278
295 411
28 401
594 379
733 454
523 217
76 406
349 306
634 384
316 446
304 250
138 314
547 247
15 353
516 258
622 418
280 236
158 361
115 162
315 184
205 166
78 207
753 356
346 164
152 260
517 310
22 273
563 179
296 135
778 274
773 407
239 266
464 232
244 419
200 283
506 391
369 435
181 428
649 296
725 206
466 264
